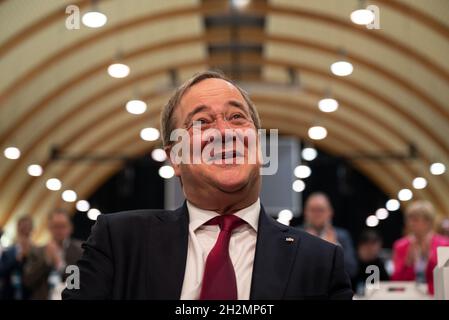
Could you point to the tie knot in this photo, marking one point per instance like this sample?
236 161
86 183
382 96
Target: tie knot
227 222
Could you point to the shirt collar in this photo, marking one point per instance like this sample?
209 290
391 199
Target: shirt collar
199 216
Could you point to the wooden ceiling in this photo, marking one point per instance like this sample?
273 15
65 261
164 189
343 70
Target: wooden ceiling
54 88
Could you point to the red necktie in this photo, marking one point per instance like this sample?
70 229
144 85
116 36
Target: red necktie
219 281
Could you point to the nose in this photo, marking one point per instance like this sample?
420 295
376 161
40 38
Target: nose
222 124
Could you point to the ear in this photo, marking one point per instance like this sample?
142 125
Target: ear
174 165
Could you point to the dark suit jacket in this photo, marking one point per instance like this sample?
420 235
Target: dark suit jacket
142 255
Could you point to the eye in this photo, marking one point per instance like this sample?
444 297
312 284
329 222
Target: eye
203 120
237 116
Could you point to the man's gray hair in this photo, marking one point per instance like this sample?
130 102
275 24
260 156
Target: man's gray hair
167 118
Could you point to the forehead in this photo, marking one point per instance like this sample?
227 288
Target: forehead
211 92
318 201
59 218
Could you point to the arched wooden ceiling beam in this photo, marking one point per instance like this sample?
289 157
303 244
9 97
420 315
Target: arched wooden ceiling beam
412 90
133 23
59 91
38 26
346 25
417 15
189 64
56 93
99 35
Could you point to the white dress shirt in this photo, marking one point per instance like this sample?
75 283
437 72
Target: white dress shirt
202 238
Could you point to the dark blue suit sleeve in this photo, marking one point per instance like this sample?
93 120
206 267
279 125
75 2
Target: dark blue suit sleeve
340 285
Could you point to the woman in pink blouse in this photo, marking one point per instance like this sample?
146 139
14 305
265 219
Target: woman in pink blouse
415 255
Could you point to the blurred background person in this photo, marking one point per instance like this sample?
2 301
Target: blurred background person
13 260
369 249
415 255
45 271
318 213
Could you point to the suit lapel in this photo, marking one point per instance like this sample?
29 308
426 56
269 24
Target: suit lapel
167 254
275 254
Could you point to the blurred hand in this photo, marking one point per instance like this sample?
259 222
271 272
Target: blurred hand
24 245
411 253
52 254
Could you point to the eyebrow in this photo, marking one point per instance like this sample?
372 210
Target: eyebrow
239 105
198 109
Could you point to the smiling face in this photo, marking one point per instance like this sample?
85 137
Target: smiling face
225 170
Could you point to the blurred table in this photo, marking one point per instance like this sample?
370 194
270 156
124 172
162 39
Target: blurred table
396 290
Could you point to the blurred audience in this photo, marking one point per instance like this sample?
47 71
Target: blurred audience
368 253
13 260
415 256
318 213
45 270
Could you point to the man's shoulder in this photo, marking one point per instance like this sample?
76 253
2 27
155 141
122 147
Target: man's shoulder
142 216
312 243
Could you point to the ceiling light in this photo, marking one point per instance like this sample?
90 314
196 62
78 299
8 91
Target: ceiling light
382 214
392 205
342 68
93 214
328 105
240 3
372 221
34 170
12 153
118 70
298 186
285 216
302 171
82 206
437 168
69 196
419 183
94 19
159 155
317 133
149 134
166 172
405 195
136 106
53 184
362 16
309 153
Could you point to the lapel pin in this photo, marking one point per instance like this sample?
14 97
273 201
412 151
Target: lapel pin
289 239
